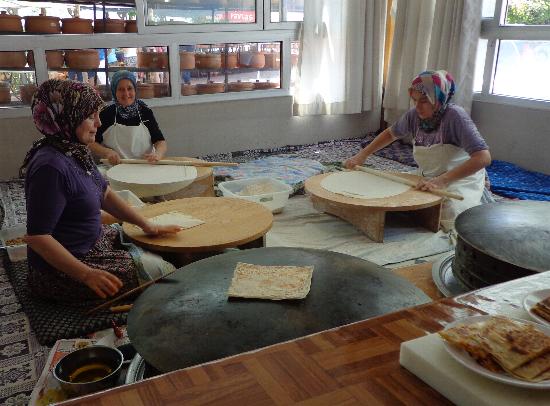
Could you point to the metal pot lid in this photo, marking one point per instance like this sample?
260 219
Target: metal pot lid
187 318
514 232
446 282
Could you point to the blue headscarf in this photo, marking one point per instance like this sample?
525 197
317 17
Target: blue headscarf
132 110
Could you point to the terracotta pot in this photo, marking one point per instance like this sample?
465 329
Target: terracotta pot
265 85
77 25
82 59
208 61
252 59
13 59
145 91
104 92
42 24
161 89
154 60
108 25
273 60
131 26
210 87
27 91
239 86
5 96
10 23
232 60
187 60
54 59
188 90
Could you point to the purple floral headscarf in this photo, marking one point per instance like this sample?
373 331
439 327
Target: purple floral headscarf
58 108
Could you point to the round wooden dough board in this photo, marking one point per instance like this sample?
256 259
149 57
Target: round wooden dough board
409 200
150 180
228 223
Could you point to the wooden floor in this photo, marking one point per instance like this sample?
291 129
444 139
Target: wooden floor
420 276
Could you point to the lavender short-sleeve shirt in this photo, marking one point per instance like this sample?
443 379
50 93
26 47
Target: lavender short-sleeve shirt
63 201
456 128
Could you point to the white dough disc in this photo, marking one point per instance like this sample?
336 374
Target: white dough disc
151 180
176 218
362 185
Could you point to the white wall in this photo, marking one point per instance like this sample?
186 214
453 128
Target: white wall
515 134
206 128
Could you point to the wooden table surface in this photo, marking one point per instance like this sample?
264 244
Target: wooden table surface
357 364
228 222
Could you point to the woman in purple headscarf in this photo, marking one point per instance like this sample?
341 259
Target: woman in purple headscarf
72 257
449 150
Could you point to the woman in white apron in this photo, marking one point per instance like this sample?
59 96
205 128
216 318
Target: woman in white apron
129 128
449 151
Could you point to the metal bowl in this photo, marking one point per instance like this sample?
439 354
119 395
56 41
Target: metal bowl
95 354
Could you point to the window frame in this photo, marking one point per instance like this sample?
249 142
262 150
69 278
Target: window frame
494 31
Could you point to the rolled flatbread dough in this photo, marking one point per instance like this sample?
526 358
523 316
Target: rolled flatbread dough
144 174
362 185
270 282
176 218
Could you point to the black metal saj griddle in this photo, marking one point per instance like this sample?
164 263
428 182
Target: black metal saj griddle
190 320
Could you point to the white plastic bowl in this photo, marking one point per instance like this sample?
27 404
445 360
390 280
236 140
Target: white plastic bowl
15 252
274 201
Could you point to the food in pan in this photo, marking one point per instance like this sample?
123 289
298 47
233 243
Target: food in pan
542 309
504 345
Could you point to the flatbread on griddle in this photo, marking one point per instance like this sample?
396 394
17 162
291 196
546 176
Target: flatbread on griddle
270 282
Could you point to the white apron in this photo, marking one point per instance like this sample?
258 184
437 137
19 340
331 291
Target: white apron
128 141
440 158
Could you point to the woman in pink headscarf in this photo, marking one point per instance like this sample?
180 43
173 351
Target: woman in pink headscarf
449 150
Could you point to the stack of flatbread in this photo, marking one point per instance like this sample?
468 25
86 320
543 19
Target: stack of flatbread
542 309
504 345
270 282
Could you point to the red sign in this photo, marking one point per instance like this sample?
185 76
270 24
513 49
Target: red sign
235 16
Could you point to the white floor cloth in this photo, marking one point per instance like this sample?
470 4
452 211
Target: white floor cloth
300 225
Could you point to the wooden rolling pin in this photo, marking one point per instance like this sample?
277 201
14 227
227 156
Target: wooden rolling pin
409 182
126 294
172 162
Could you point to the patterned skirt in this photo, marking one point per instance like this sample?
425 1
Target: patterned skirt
108 254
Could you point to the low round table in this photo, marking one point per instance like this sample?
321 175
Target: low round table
369 215
228 223
187 319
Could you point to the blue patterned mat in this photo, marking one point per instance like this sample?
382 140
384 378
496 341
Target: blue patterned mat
512 181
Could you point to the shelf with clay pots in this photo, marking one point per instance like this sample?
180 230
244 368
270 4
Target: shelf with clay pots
8 69
110 69
233 70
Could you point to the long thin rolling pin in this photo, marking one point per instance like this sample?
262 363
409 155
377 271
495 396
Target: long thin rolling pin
409 182
125 294
172 162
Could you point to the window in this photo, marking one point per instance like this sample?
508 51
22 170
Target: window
162 12
514 48
17 78
286 10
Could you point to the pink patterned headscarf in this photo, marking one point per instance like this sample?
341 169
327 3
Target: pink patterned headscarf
439 87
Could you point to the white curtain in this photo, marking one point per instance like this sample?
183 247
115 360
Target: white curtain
432 34
341 57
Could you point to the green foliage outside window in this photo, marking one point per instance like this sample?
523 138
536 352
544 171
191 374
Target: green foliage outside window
528 12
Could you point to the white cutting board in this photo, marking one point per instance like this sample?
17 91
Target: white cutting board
427 358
